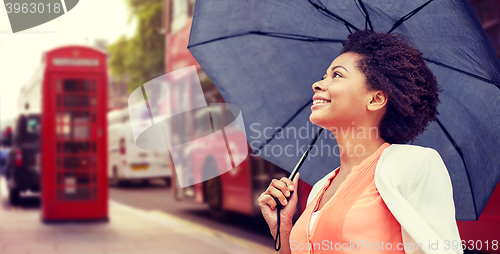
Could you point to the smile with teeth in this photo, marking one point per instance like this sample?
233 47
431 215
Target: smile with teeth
315 102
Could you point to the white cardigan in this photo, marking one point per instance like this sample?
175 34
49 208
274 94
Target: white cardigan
416 187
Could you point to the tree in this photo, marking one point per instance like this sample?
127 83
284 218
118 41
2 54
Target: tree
140 58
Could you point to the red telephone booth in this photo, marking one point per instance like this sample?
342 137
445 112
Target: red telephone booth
74 134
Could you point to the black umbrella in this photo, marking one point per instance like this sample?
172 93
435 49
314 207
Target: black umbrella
264 55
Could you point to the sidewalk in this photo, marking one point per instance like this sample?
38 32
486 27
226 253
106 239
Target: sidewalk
129 231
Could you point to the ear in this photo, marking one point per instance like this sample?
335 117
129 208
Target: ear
378 100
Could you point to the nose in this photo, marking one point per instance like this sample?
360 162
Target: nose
317 86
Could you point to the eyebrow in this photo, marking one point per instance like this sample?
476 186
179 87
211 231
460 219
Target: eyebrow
338 66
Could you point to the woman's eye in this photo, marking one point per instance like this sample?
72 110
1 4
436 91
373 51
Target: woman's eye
335 74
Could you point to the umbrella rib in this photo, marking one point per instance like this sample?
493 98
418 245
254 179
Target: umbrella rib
408 16
285 124
463 72
367 17
271 34
295 37
324 10
450 138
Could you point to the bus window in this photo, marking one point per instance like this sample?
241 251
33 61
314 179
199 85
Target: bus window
29 129
179 15
216 112
228 116
125 119
191 4
202 126
33 127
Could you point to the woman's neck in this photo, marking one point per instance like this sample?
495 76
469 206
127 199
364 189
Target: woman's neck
356 143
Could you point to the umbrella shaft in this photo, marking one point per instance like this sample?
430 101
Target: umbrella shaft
304 156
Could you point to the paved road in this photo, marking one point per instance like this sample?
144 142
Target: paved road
157 199
157 196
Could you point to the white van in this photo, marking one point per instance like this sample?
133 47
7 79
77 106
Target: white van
129 163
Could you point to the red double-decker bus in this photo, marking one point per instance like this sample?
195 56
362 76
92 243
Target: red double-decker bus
69 93
238 189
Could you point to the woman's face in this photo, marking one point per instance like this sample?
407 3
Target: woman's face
341 97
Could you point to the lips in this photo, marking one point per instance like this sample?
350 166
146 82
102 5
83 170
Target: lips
315 102
320 100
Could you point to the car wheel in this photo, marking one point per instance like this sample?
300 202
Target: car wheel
122 183
168 181
214 199
14 196
114 178
213 191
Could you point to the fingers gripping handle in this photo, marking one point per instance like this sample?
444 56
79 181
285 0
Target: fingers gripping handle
279 206
278 203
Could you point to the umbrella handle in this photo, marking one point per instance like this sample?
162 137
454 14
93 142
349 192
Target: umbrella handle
304 156
278 235
279 206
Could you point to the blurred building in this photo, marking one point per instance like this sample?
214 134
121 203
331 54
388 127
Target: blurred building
101 45
117 89
117 94
488 12
177 17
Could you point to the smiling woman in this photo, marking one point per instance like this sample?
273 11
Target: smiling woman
386 197
340 96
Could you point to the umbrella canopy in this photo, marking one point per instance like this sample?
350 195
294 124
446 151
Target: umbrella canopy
264 56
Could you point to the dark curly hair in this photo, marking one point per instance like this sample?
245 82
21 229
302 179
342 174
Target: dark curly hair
392 65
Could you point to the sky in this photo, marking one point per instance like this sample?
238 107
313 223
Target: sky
21 52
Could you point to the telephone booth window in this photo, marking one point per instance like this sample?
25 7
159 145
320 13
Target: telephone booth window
76 140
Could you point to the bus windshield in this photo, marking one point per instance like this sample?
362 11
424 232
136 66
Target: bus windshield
29 129
33 126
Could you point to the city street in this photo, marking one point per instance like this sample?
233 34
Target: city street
157 197
143 219
160 126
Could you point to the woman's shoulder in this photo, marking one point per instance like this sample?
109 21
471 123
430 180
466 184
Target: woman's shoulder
410 156
408 149
403 164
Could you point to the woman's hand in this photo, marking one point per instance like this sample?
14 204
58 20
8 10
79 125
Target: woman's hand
281 189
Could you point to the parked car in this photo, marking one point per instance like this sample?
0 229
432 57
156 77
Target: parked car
129 163
23 159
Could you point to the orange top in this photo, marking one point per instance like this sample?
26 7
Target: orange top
354 220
